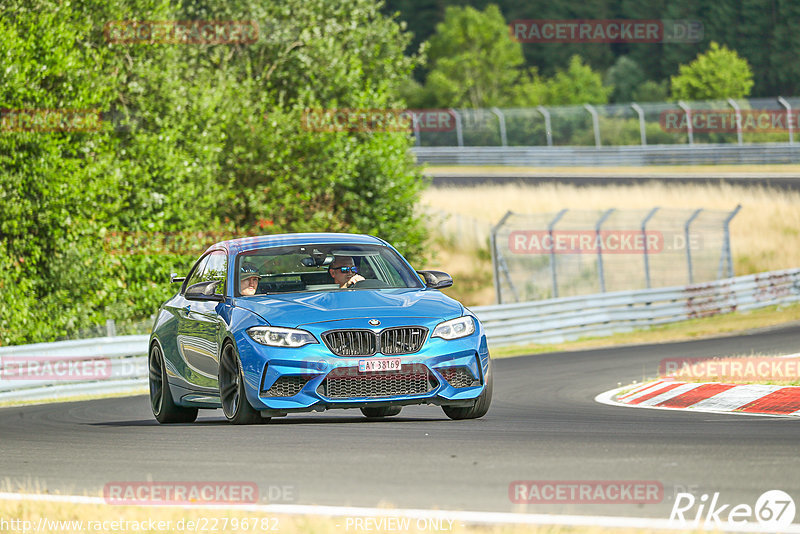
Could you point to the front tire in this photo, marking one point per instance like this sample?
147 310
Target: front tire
385 411
231 390
164 408
481 406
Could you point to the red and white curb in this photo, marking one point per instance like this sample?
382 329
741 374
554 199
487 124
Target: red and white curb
714 397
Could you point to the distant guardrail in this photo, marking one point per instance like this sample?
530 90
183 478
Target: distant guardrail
562 319
634 155
121 362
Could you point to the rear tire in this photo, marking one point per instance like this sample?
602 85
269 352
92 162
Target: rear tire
385 411
235 405
164 408
481 404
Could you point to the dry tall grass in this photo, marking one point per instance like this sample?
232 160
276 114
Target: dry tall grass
765 235
62 517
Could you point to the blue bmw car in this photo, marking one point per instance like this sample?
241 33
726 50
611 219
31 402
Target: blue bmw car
267 326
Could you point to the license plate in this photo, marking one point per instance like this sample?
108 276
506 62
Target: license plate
378 364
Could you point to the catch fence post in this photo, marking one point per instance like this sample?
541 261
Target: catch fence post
595 123
496 257
501 119
597 227
644 237
642 132
738 112
686 243
548 130
789 122
459 130
689 129
550 226
415 123
725 254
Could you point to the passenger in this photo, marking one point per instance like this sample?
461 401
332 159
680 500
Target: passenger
248 279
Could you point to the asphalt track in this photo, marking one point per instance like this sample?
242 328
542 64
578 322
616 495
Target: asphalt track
544 425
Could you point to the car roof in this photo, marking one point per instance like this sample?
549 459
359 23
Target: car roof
244 244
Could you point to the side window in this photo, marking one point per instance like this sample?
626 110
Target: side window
388 273
215 269
197 272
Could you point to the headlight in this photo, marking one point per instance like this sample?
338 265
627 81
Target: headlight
281 337
455 328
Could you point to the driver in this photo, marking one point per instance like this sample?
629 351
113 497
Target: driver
248 279
344 272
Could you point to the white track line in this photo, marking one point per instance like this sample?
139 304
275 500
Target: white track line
494 518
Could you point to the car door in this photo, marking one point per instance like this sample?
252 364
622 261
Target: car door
199 326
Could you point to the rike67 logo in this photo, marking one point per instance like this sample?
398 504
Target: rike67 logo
773 509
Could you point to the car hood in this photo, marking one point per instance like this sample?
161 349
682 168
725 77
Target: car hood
295 309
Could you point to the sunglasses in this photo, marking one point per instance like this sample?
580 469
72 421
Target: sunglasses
353 269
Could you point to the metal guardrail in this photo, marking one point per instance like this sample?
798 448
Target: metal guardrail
556 156
546 321
121 361
563 319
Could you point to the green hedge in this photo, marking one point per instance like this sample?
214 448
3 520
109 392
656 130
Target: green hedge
193 138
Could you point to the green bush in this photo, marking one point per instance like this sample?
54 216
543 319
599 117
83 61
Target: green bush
193 138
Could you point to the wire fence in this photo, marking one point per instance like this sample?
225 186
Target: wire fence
460 231
112 328
757 120
568 253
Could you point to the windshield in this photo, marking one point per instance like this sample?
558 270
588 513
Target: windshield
329 267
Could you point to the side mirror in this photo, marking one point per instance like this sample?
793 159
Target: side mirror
174 278
436 279
204 291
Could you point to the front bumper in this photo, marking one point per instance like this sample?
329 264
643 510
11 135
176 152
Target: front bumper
288 380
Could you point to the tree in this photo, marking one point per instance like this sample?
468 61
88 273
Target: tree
624 77
473 60
651 91
718 74
475 63
193 138
578 84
